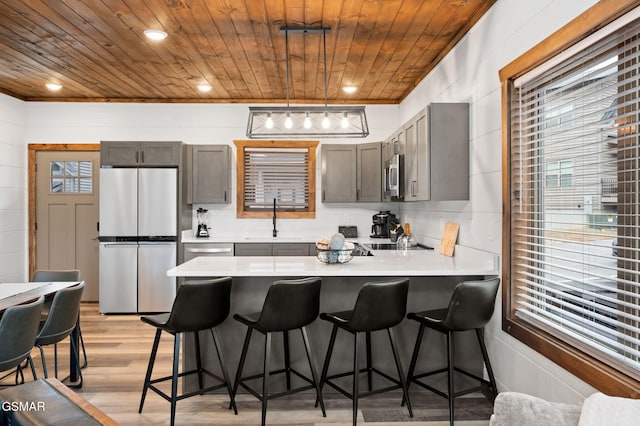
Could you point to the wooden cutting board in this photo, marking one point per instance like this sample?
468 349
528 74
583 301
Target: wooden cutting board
449 237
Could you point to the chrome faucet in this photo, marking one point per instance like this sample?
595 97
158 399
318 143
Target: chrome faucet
275 231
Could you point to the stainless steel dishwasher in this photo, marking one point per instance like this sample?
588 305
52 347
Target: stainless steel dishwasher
192 250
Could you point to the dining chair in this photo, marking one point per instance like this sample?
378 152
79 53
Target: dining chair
18 330
60 275
60 322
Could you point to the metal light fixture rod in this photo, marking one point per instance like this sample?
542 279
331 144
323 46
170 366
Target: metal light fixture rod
270 122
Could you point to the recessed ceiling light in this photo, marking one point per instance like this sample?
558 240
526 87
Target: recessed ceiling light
54 87
204 87
349 89
156 35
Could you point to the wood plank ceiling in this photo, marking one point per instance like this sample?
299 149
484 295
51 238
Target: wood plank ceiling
97 51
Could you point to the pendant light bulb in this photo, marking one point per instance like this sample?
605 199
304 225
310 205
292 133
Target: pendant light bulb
307 121
344 123
269 123
288 122
325 121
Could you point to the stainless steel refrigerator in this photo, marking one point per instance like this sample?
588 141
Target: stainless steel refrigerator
138 223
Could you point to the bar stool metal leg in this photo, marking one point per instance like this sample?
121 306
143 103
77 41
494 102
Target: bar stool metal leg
265 376
356 377
450 372
223 366
287 362
485 356
369 372
414 358
243 357
174 381
196 338
152 360
396 357
314 374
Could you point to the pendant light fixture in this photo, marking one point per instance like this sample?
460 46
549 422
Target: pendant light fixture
307 121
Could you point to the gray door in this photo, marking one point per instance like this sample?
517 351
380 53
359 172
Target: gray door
67 194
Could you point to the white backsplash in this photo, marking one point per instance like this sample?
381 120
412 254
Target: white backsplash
223 222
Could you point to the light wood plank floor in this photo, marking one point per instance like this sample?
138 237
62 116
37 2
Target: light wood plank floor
118 348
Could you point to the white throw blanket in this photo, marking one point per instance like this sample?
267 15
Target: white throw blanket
600 409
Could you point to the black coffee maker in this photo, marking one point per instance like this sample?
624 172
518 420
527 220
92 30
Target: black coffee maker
383 222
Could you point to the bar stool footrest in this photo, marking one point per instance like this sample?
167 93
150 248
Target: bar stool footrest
279 394
397 384
188 394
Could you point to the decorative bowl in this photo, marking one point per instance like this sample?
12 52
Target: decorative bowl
334 256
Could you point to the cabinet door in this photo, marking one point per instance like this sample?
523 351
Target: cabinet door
449 143
159 154
416 160
253 249
119 153
338 173
291 249
209 174
369 172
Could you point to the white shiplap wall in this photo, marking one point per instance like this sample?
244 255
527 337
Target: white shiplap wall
470 74
13 190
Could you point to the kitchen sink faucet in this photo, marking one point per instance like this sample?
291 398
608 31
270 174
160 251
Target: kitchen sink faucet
275 231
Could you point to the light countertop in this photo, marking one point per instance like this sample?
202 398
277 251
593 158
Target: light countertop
466 262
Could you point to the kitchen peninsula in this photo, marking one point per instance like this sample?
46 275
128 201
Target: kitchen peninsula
432 279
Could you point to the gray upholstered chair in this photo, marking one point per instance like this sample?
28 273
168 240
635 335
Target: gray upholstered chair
18 330
60 275
60 322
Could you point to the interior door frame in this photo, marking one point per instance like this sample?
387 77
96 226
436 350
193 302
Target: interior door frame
33 148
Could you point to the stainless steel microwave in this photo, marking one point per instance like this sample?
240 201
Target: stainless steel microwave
393 185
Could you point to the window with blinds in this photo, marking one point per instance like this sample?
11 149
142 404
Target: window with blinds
276 174
575 197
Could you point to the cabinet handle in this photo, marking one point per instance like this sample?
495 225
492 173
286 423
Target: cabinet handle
357 195
137 156
142 156
225 195
209 250
323 195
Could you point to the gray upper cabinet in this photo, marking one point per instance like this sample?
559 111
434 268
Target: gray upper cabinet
437 153
140 154
351 173
338 165
369 172
417 159
208 174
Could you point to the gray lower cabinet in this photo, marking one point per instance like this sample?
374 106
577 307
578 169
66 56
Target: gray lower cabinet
208 174
140 154
273 249
351 173
436 153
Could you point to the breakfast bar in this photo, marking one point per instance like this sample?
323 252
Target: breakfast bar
432 279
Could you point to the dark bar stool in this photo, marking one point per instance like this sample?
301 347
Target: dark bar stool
199 305
470 308
379 306
289 305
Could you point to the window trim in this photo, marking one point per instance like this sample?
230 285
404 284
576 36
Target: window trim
595 372
240 146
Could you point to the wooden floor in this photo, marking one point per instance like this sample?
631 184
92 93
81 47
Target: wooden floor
118 348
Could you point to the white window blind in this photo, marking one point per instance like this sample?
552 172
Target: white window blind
575 201
280 174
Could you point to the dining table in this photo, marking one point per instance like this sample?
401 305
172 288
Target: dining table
12 294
